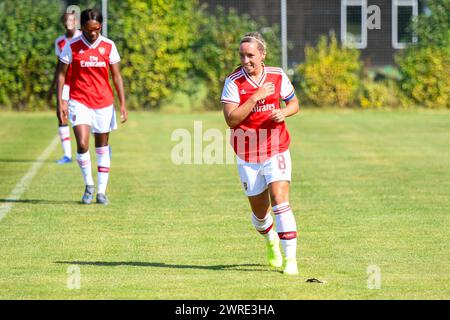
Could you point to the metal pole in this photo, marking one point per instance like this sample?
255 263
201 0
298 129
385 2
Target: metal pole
284 55
105 18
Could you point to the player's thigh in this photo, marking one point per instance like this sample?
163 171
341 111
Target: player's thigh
82 132
103 120
277 172
251 177
79 114
278 168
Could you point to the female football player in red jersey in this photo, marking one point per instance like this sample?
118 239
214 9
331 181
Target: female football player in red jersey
90 106
251 99
69 21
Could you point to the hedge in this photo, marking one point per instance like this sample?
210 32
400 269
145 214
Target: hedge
28 29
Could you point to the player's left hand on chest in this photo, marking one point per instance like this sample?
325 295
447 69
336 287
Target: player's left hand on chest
277 115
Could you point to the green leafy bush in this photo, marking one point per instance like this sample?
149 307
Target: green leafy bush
172 51
379 94
379 88
154 38
433 26
28 29
330 74
425 75
216 50
373 95
425 67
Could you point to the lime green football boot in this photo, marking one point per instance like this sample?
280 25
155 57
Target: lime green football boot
290 267
274 253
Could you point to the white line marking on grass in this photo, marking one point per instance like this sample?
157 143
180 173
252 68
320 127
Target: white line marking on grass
23 184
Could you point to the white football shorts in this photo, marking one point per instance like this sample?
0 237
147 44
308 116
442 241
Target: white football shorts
66 92
255 177
100 120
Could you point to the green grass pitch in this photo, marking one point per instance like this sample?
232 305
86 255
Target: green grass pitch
369 188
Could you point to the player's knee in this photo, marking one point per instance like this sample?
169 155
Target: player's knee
278 197
261 213
83 147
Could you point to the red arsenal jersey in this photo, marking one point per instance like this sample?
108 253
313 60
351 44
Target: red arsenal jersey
258 138
60 43
89 83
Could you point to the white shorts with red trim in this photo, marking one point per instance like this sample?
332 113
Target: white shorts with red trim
66 92
255 177
100 120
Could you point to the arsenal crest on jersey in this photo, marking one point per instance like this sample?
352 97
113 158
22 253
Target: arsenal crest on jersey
101 50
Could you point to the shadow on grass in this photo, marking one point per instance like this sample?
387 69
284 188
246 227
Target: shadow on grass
38 201
233 267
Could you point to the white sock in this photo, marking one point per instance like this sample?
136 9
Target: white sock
265 227
103 164
84 161
64 135
286 228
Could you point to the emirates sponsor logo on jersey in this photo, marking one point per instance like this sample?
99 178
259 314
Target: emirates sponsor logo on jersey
93 63
261 106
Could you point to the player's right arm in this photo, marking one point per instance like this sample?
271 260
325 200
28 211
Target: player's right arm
61 109
235 114
65 59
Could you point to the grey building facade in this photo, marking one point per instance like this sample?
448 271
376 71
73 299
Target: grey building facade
379 36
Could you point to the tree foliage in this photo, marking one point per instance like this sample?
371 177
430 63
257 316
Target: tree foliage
28 29
331 74
216 50
433 26
154 38
425 67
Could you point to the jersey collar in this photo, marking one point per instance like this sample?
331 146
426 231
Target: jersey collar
261 79
94 45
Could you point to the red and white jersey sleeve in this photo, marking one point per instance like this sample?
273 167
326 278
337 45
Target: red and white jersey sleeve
114 54
66 54
230 93
61 42
287 91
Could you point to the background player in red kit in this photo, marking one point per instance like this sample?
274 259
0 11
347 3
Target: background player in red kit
251 99
69 21
90 106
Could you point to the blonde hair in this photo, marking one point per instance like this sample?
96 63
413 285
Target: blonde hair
255 37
